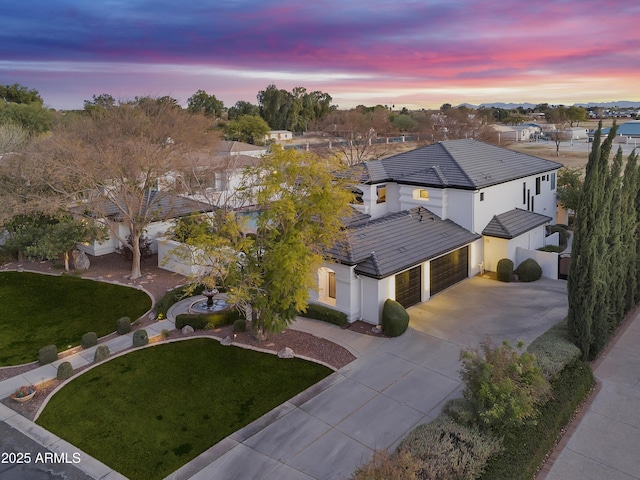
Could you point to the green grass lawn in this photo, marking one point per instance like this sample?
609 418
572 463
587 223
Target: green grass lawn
149 412
38 310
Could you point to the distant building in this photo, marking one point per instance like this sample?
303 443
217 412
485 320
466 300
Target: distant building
279 136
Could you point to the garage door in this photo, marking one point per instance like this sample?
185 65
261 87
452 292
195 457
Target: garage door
409 287
449 269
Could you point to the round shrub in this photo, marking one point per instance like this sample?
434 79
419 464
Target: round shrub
395 319
89 340
240 326
65 370
102 353
140 338
123 325
505 270
47 354
528 271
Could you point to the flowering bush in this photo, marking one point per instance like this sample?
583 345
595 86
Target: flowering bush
24 391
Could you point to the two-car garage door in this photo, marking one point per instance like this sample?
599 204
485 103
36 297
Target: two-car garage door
445 271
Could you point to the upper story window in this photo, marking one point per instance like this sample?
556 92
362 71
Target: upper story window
482 196
420 194
538 185
553 181
357 197
381 191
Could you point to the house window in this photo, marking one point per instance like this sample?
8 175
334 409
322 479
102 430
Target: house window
553 181
524 193
482 196
420 194
381 190
538 182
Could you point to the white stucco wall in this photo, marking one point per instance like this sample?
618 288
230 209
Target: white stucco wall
496 249
548 261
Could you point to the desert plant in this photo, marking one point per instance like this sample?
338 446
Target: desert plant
89 340
102 353
554 350
504 270
65 370
47 354
504 388
395 319
399 466
445 449
528 271
140 338
240 325
123 325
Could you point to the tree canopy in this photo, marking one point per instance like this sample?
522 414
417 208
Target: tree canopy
203 103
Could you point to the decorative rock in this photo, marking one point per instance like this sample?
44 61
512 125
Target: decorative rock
80 260
140 338
47 355
102 353
187 329
65 370
226 341
286 352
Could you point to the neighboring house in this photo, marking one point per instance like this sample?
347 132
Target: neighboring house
279 136
518 133
166 210
431 217
625 133
231 148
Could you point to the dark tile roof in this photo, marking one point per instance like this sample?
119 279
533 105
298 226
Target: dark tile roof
465 163
397 241
513 223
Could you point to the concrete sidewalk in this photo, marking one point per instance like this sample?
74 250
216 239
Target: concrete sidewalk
605 442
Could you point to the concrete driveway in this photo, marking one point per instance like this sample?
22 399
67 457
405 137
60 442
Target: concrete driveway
396 384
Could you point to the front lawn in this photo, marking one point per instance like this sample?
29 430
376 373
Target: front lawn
149 412
38 310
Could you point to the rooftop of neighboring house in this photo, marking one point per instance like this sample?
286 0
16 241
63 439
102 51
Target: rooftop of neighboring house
227 147
631 128
466 164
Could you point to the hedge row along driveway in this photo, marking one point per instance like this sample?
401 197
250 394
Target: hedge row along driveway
38 310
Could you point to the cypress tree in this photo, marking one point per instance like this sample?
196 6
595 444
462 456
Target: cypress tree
584 251
615 254
601 321
630 231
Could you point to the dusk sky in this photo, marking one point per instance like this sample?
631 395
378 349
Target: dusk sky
418 54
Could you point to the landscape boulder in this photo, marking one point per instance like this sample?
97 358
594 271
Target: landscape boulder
80 260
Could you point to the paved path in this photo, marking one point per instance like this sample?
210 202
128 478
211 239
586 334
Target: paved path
394 384
605 442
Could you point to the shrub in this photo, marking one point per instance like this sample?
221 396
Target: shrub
47 354
527 446
140 338
554 350
326 314
504 270
65 370
446 449
123 325
240 326
528 271
504 388
89 340
551 248
395 319
102 353
165 333
399 466
209 320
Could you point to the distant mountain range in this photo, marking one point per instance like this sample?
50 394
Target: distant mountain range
511 106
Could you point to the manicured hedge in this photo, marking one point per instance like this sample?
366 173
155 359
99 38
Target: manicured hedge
174 296
210 320
326 314
395 319
504 270
527 446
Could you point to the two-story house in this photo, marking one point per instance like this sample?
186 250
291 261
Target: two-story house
431 217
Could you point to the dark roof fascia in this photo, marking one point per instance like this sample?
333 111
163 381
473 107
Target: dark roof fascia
451 249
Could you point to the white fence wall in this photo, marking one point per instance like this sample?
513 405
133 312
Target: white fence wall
548 261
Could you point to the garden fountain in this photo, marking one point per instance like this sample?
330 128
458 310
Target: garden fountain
210 304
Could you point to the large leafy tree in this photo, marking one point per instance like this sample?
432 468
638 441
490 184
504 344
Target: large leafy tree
294 110
301 205
17 93
124 162
203 103
247 128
